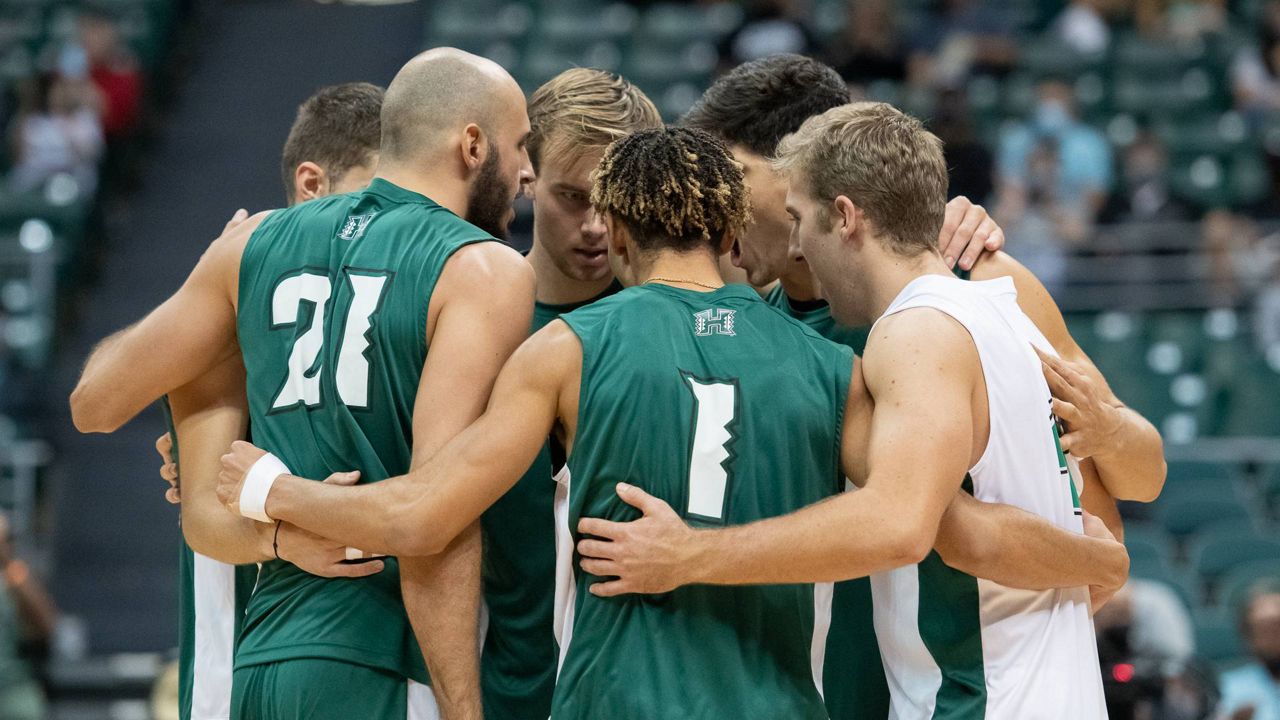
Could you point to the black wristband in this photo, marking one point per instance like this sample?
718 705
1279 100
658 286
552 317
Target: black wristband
275 541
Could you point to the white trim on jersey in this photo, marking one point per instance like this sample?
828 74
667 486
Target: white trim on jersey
566 588
421 703
214 594
823 594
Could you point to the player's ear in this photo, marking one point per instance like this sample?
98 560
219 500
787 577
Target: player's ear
473 146
618 237
725 244
847 217
309 182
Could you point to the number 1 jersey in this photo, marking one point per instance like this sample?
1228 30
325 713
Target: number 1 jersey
332 325
731 412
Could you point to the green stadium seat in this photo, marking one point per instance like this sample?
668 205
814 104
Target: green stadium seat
1154 59
1050 56
1215 553
1233 589
1217 638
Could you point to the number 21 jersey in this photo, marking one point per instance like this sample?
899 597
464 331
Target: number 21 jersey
332 325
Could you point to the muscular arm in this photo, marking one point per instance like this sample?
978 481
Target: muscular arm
208 415
187 335
1130 456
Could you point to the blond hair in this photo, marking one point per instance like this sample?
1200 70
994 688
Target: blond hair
584 109
883 160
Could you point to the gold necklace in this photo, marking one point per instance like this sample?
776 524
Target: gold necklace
677 280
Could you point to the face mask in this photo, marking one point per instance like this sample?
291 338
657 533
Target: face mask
1052 117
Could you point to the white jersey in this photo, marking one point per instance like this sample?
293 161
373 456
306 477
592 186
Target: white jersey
955 646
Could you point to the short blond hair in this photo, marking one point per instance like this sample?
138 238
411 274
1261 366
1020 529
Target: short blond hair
881 159
584 109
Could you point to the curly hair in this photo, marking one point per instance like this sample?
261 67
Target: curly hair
673 187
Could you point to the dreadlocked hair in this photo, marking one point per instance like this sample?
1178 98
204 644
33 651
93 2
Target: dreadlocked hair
673 187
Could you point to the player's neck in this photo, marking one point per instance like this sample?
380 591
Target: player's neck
798 284
446 192
692 270
556 288
891 272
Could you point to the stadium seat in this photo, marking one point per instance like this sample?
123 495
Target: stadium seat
1183 517
1215 553
1217 638
1233 588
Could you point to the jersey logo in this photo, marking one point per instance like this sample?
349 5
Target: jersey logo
713 321
355 226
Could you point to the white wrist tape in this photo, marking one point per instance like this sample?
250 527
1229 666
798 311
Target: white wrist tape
257 485
358 554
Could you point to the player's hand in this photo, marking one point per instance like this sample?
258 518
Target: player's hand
321 556
644 556
967 232
237 217
235 466
168 468
1100 595
1092 424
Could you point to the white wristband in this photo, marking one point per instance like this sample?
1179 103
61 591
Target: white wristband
257 485
358 554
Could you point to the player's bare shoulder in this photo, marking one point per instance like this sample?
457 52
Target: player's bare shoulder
492 269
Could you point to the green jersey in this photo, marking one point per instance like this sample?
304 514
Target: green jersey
211 599
332 325
518 662
817 315
731 412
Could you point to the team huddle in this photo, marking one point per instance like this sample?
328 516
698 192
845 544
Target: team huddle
762 426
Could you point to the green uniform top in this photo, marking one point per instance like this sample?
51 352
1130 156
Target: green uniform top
332 325
518 664
817 315
731 412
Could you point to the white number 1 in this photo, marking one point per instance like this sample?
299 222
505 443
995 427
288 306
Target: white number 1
302 384
708 479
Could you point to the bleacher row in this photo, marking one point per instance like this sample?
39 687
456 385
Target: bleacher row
50 235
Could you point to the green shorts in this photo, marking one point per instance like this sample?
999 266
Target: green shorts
319 689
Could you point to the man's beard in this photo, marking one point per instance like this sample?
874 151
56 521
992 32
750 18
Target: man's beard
489 199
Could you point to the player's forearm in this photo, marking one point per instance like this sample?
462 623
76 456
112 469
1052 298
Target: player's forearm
442 598
841 538
215 533
96 406
366 516
1018 549
1133 468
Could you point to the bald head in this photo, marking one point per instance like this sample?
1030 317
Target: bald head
439 93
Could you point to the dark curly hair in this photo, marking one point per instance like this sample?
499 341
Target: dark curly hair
673 187
758 103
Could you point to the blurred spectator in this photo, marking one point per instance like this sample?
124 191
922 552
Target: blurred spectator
1053 173
57 131
1180 19
115 74
27 617
769 27
1255 71
967 37
968 160
1144 194
1083 26
870 47
1266 313
1251 692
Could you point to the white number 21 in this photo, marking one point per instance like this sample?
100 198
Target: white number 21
302 383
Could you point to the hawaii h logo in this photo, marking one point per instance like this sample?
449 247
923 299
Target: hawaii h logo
713 321
355 226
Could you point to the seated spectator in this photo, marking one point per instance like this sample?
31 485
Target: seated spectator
769 27
57 131
27 617
1252 692
1180 19
1255 71
1052 177
115 74
870 47
1144 193
967 37
1083 27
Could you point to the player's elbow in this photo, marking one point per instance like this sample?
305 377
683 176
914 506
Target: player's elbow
415 537
910 543
90 414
